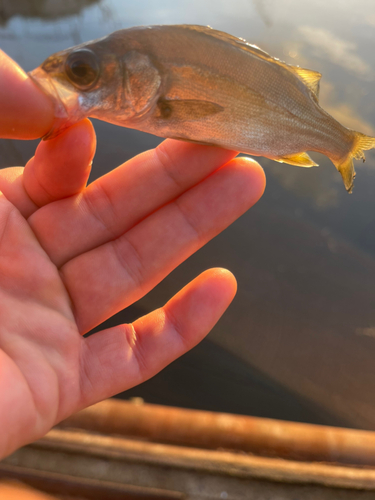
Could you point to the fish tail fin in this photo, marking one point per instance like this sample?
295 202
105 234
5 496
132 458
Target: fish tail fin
345 165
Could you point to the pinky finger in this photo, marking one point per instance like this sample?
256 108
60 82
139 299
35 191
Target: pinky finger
119 358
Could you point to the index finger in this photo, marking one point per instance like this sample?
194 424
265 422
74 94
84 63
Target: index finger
26 112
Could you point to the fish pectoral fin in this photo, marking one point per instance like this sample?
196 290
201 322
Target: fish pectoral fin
299 159
188 109
310 78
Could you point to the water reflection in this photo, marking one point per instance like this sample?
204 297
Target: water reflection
336 50
317 186
263 10
44 9
305 256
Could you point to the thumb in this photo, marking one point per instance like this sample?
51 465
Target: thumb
26 112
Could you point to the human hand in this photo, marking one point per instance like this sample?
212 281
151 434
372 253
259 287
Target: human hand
71 256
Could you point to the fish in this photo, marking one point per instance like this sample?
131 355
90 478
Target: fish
198 84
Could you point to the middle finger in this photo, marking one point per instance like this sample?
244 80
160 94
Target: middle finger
108 278
117 201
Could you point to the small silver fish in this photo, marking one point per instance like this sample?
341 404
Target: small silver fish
199 84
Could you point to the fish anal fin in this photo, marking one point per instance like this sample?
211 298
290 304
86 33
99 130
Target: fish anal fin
189 109
299 159
310 78
346 169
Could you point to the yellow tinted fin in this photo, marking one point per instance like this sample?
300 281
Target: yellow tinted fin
190 109
345 165
310 78
346 169
299 159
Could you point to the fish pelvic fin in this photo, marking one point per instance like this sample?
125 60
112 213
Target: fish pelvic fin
345 165
299 159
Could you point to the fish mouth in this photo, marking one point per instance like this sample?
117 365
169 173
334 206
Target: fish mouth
65 101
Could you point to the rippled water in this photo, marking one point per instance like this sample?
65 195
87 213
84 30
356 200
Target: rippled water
299 340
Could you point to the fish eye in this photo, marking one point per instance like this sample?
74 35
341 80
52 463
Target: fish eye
82 68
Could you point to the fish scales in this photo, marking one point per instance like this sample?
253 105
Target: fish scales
249 136
202 85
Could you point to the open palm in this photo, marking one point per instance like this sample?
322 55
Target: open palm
71 256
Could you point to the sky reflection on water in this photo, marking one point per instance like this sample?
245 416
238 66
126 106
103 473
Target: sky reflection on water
304 315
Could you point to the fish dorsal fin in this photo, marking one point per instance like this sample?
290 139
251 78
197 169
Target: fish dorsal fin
226 37
310 78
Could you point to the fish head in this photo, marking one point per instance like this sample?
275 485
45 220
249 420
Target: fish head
93 80
79 81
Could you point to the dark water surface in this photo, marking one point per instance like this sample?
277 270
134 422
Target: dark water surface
299 340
